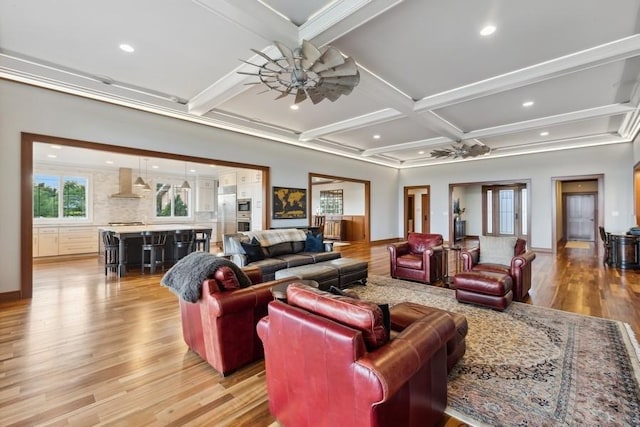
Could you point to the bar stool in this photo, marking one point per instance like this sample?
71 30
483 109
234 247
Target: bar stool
183 243
153 245
111 251
201 242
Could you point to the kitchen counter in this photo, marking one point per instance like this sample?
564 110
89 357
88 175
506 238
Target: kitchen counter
125 232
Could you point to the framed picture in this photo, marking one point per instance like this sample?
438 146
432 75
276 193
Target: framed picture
289 203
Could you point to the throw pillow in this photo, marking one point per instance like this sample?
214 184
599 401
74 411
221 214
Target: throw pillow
226 278
497 250
253 251
314 243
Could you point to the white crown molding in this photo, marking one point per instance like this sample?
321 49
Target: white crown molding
352 123
599 55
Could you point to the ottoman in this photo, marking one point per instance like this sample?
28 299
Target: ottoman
405 313
349 271
488 289
325 275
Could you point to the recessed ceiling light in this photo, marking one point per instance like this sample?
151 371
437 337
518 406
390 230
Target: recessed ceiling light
154 166
527 103
109 162
56 147
376 136
192 170
420 152
294 107
544 133
127 48
51 156
488 30
213 166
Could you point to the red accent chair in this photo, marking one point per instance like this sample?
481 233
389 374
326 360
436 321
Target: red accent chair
221 326
420 258
518 267
328 363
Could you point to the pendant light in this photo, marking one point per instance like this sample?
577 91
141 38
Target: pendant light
146 186
185 184
139 182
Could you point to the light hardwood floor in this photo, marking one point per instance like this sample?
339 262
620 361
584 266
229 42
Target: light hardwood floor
91 349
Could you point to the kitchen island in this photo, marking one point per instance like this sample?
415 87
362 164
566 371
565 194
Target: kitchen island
127 253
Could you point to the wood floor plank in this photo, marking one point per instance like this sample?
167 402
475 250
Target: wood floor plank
91 349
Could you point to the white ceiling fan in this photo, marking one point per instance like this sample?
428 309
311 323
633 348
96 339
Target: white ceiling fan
307 71
461 150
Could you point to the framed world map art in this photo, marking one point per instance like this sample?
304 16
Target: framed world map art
289 203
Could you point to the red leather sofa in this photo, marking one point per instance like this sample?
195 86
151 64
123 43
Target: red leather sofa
518 268
330 362
419 258
221 326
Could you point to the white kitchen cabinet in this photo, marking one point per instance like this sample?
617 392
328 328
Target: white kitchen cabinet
206 195
228 179
244 191
34 247
77 240
249 176
48 241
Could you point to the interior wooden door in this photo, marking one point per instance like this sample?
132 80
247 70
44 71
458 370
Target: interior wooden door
426 210
580 213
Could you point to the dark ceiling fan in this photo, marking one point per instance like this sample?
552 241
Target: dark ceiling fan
461 150
307 71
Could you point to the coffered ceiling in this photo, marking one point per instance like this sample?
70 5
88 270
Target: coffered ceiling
428 78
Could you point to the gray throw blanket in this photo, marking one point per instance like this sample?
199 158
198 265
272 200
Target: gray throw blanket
186 276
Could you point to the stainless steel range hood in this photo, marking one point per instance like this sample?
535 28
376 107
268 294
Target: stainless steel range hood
126 186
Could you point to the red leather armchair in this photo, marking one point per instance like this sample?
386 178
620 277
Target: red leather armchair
327 364
519 267
221 326
420 258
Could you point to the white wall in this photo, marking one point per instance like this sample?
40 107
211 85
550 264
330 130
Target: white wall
614 161
25 108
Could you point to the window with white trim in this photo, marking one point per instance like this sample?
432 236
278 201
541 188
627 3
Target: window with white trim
60 197
172 201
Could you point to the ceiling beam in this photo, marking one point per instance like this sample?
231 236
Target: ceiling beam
352 123
254 18
599 55
591 113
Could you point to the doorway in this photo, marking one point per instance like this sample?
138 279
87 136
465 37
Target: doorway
417 209
28 140
578 185
580 214
352 222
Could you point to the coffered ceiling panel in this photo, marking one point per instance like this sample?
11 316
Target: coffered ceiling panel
425 77
582 90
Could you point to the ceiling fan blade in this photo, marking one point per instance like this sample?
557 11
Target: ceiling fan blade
349 68
286 52
284 94
310 54
300 96
343 81
248 73
252 83
329 59
315 95
265 56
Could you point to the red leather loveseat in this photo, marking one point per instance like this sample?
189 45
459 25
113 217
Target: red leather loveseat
419 258
330 362
221 326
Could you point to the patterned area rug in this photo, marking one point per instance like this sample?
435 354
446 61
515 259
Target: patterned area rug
532 366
